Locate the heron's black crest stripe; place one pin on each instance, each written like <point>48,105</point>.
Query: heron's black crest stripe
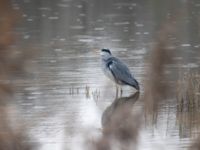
<point>106,50</point>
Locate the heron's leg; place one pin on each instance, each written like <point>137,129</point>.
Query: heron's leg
<point>121,91</point>
<point>116,91</point>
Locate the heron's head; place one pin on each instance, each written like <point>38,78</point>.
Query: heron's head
<point>105,53</point>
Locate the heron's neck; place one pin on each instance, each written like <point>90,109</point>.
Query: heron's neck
<point>105,57</point>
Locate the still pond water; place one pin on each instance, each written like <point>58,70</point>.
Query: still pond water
<point>62,98</point>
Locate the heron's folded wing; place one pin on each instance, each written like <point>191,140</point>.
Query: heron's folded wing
<point>120,71</point>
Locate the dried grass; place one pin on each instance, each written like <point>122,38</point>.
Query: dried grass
<point>188,92</point>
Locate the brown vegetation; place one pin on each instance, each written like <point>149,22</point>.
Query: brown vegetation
<point>10,138</point>
<point>195,145</point>
<point>156,85</point>
<point>188,92</point>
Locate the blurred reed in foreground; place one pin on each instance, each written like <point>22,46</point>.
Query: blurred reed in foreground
<point>12,137</point>
<point>188,101</point>
<point>195,145</point>
<point>156,84</point>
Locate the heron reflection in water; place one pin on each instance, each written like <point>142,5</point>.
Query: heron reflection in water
<point>120,124</point>
<point>110,115</point>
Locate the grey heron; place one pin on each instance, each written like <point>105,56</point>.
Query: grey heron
<point>117,71</point>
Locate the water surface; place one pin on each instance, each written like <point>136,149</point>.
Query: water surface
<point>65,92</point>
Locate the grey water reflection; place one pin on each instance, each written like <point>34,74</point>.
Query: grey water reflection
<point>120,126</point>
<point>118,105</point>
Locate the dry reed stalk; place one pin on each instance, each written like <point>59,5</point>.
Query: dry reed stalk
<point>156,85</point>
<point>195,145</point>
<point>188,92</point>
<point>10,138</point>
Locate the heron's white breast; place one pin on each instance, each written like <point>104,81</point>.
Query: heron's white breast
<point>107,72</point>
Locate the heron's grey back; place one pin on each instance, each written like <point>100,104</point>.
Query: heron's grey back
<point>120,71</point>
